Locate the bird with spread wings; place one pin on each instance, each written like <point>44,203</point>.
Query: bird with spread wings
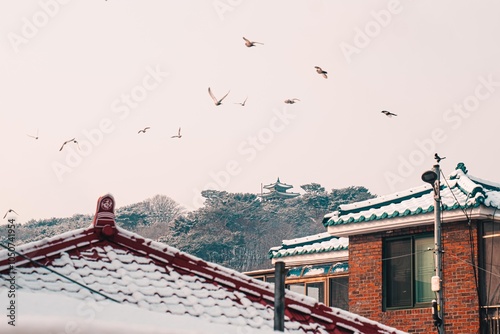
<point>143,130</point>
<point>216,101</point>
<point>69,141</point>
<point>249,43</point>
<point>388,113</point>
<point>178,134</point>
<point>8,211</point>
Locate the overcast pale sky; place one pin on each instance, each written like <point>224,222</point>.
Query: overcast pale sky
<point>99,71</point>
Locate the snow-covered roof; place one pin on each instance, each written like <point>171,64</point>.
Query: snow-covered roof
<point>313,244</point>
<point>460,191</point>
<point>104,262</point>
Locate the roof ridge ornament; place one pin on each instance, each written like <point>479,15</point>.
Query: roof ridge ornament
<point>461,166</point>
<point>104,218</point>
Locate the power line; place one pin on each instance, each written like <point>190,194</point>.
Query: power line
<point>406,255</point>
<point>471,238</point>
<point>477,267</point>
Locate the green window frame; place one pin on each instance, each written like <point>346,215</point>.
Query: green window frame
<point>408,266</point>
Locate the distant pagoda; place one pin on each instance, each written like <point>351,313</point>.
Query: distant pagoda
<point>277,190</point>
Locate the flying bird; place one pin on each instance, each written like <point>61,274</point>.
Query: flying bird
<point>36,137</point>
<point>388,113</point>
<point>249,43</point>
<point>178,134</point>
<point>291,101</point>
<point>10,210</point>
<point>320,71</point>
<point>69,141</point>
<point>143,130</point>
<point>438,158</point>
<point>217,102</point>
<point>242,103</point>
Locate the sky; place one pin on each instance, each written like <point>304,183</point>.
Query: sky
<point>99,71</point>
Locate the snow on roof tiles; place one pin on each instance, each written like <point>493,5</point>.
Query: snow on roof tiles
<point>458,191</point>
<point>317,243</point>
<point>133,270</point>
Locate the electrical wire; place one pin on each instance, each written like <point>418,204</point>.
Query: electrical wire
<point>491,259</point>
<point>471,237</point>
<point>59,274</point>
<point>405,255</point>
<point>477,267</point>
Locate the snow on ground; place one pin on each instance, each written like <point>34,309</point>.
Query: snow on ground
<point>51,313</point>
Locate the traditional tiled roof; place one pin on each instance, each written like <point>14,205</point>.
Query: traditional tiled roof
<point>278,184</point>
<point>104,261</point>
<point>460,191</point>
<point>278,190</point>
<point>278,194</point>
<point>318,243</point>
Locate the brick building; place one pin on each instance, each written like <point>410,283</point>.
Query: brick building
<point>317,267</point>
<point>391,260</point>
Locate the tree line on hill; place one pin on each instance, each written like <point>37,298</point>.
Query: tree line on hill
<point>235,230</point>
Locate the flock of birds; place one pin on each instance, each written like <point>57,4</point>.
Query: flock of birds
<point>218,102</point>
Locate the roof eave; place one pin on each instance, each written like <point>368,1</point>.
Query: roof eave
<point>346,230</point>
<point>48,248</point>
<point>299,260</point>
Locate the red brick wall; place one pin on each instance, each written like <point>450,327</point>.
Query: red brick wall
<point>461,303</point>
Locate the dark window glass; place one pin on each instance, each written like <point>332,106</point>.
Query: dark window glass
<point>408,268</point>
<point>398,273</point>
<point>339,292</point>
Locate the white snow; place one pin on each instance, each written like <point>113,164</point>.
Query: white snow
<point>45,313</point>
<point>315,271</point>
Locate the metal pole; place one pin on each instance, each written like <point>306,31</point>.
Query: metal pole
<point>279,296</point>
<point>438,251</point>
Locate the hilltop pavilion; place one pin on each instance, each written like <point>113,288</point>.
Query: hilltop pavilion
<point>277,190</point>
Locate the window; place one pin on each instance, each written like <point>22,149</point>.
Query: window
<point>408,267</point>
<point>297,287</point>
<point>339,292</point>
<point>489,276</point>
<point>270,279</point>
<point>315,290</point>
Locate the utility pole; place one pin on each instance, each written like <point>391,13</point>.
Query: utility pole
<point>279,296</point>
<point>438,250</point>
<point>432,177</point>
